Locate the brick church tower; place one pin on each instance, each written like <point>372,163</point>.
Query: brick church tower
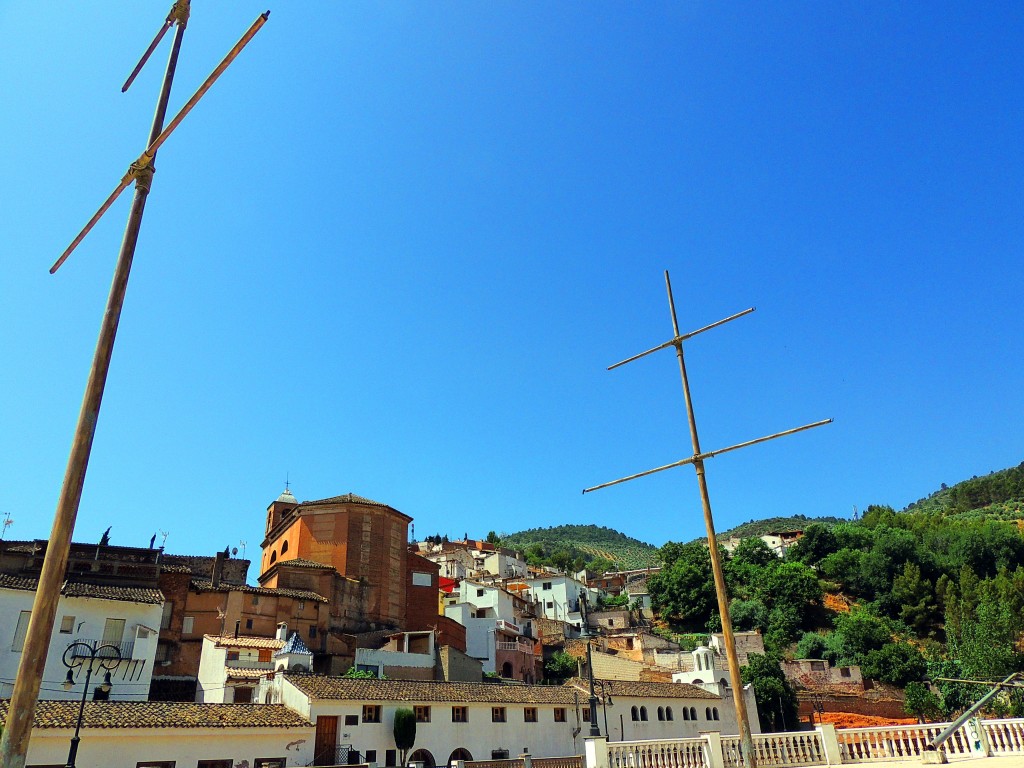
<point>363,540</point>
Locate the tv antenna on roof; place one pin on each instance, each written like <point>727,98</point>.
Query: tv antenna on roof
<point>14,743</point>
<point>7,522</point>
<point>697,460</point>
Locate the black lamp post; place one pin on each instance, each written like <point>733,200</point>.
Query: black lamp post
<point>606,699</point>
<point>594,730</point>
<point>83,654</point>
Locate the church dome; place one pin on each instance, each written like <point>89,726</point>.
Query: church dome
<point>287,497</point>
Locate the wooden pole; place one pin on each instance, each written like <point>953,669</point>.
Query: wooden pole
<point>697,460</point>
<point>14,745</point>
<point>746,742</point>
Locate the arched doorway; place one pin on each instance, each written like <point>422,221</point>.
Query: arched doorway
<point>423,756</point>
<point>506,670</point>
<point>459,754</point>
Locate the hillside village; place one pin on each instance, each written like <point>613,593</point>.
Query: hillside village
<point>349,622</point>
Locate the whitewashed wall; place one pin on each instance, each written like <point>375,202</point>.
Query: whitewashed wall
<point>132,677</point>
<point>116,747</point>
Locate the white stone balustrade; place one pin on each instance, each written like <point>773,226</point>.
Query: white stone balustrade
<point>774,749</point>
<point>664,753</point>
<point>823,746</point>
<point>1004,737</point>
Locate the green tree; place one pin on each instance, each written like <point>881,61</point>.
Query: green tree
<point>404,731</point>
<point>492,538</point>
<point>684,590</point>
<point>856,634</point>
<point>360,674</point>
<point>776,699</point>
<point>817,543</point>
<point>748,615</point>
<point>897,663</point>
<point>811,646</point>
<point>921,703</point>
<point>561,666</point>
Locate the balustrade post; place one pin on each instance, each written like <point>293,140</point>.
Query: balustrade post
<point>978,738</point>
<point>595,751</point>
<point>829,743</point>
<point>713,748</point>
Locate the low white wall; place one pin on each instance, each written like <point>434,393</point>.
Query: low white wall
<point>109,747</point>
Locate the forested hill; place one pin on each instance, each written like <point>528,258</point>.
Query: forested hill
<point>576,546</point>
<point>776,525</point>
<point>998,495</point>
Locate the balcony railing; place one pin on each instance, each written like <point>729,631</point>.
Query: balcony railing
<point>501,645</point>
<point>125,648</point>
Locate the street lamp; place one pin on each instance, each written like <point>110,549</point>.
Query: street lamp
<point>84,654</point>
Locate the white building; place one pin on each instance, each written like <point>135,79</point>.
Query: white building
<point>482,721</point>
<point>230,666</point>
<point>706,674</point>
<point>91,614</point>
<point>169,734</point>
<point>558,597</point>
<point>495,625</point>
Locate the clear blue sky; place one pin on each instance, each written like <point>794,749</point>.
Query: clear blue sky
<point>394,249</point>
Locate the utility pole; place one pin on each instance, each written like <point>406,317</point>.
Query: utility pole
<point>21,712</point>
<point>697,460</point>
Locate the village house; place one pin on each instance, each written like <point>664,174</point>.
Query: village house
<point>499,630</point>
<point>109,597</point>
<point>558,597</point>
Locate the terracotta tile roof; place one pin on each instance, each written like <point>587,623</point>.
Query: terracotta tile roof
<point>301,562</point>
<point>246,641</point>
<point>110,592</point>
<point>81,589</point>
<point>162,714</point>
<point>347,498</point>
<point>238,673</point>
<point>646,690</point>
<point>205,585</point>
<point>7,581</point>
<point>340,688</point>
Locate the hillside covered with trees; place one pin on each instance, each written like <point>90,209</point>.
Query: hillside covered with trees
<point>936,591</point>
<point>574,547</point>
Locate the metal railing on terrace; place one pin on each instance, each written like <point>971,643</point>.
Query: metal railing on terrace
<point>125,648</point>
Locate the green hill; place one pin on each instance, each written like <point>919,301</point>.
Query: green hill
<point>581,545</point>
<point>776,525</point>
<point>998,495</point>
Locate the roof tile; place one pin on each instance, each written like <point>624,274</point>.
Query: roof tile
<point>162,714</point>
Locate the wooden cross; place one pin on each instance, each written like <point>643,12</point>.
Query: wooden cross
<point>14,743</point>
<point>697,460</point>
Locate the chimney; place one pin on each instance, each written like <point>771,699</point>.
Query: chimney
<point>282,632</point>
<point>218,570</point>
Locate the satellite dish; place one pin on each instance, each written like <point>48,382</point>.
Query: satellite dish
<point>234,550</point>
